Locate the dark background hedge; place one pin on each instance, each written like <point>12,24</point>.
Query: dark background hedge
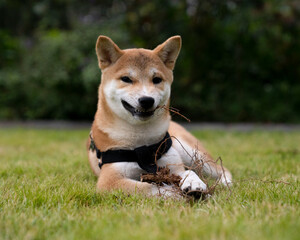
<point>240,59</point>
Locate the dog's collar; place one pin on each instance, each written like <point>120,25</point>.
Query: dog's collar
<point>145,156</point>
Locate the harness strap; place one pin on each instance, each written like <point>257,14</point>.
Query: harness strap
<point>145,156</point>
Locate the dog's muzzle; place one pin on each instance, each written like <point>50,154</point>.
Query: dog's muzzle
<point>146,103</point>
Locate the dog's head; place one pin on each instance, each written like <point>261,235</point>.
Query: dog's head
<point>136,83</point>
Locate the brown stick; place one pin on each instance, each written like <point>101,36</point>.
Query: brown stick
<point>176,111</point>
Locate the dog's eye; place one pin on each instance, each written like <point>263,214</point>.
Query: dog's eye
<point>156,80</point>
<point>126,79</point>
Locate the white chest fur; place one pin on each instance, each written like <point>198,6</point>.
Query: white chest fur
<point>132,136</point>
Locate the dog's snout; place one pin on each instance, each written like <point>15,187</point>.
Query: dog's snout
<point>146,102</point>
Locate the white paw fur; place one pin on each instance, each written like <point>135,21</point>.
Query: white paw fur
<point>191,182</point>
<point>226,179</point>
<point>166,191</point>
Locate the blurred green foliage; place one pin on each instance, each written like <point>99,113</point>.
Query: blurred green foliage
<point>239,62</point>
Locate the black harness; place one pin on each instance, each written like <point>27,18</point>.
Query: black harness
<point>145,156</point>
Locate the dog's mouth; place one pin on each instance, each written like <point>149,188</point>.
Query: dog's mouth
<point>137,112</point>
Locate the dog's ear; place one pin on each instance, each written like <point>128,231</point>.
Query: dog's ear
<point>107,52</point>
<point>169,50</point>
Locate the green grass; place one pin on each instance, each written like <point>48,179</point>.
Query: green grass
<point>47,191</point>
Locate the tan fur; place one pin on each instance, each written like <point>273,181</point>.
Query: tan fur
<point>102,141</point>
<point>180,133</point>
<point>112,179</point>
<point>112,129</point>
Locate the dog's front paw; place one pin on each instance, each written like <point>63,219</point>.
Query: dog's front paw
<point>166,191</point>
<point>192,183</point>
<point>226,179</point>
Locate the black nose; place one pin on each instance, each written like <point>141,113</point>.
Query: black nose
<point>146,102</point>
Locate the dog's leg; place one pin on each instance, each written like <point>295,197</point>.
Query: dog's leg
<point>190,148</point>
<point>204,162</point>
<point>111,179</point>
<point>190,181</point>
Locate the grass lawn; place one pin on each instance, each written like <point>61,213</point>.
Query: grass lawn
<point>47,191</point>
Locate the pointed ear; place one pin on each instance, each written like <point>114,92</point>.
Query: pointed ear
<point>169,50</point>
<point>107,52</point>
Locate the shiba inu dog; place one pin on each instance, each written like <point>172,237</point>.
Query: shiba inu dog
<point>132,132</point>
